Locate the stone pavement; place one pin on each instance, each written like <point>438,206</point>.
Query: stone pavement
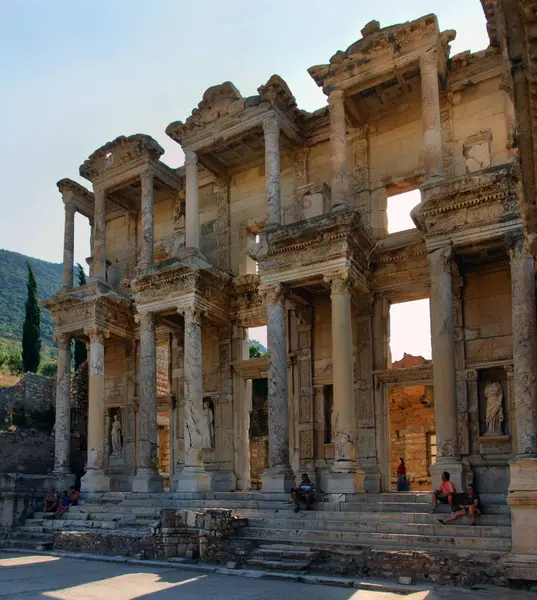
<point>40,576</point>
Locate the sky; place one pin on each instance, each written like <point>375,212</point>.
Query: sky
<point>78,74</point>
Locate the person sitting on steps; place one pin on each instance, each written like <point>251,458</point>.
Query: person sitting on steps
<point>305,491</point>
<point>51,501</point>
<point>468,507</point>
<point>445,494</point>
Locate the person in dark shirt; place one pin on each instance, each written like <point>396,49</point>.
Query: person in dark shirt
<point>470,506</point>
<point>305,491</point>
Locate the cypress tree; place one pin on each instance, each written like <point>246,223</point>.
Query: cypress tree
<point>80,354</point>
<point>31,330</point>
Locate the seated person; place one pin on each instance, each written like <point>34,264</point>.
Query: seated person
<point>445,494</point>
<point>65,503</point>
<point>470,505</point>
<point>305,491</point>
<point>51,501</point>
<point>74,494</point>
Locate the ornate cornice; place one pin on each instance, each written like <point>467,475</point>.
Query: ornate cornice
<point>398,376</point>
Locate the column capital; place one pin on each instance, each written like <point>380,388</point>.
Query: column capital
<point>70,207</point>
<point>271,124</point>
<point>440,260</point>
<point>63,340</point>
<point>517,245</point>
<point>339,281</point>
<point>336,97</point>
<point>147,175</point>
<point>429,61</point>
<point>192,313</point>
<point>145,318</point>
<point>191,158</point>
<point>96,334</point>
<point>272,294</point>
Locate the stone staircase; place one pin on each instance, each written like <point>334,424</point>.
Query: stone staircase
<point>384,532</point>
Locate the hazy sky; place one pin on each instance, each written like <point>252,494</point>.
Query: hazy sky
<point>77,74</point>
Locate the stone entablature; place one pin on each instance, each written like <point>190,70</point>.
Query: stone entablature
<point>481,206</point>
<point>307,251</point>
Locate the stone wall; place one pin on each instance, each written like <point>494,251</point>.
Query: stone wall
<point>26,451</point>
<point>32,399</point>
<point>259,460</point>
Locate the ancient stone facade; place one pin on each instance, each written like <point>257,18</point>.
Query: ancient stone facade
<point>279,218</point>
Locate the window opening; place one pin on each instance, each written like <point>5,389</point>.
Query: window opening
<point>410,331</point>
<point>398,210</point>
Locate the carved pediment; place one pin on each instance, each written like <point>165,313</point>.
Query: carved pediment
<point>121,151</point>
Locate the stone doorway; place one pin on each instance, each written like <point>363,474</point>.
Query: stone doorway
<point>258,435</point>
<point>412,434</point>
<point>163,448</point>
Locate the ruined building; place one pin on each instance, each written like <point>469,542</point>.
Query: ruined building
<point>279,218</point>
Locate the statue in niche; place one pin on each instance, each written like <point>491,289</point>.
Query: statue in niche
<point>207,426</point>
<point>494,397</point>
<point>116,436</point>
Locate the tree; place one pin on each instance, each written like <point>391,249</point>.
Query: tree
<point>31,329</point>
<point>254,351</point>
<point>80,353</point>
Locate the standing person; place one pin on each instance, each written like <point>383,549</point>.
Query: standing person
<point>445,494</point>
<point>469,507</point>
<point>402,481</point>
<point>305,491</point>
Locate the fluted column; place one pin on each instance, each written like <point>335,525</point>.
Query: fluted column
<point>271,130</point>
<point>192,209</point>
<point>444,377</point>
<point>147,220</point>
<point>346,476</point>
<point>99,235</point>
<point>524,347</point>
<point>430,111</point>
<point>279,476</point>
<point>62,428</point>
<point>338,150</point>
<point>193,477</point>
<point>69,246</point>
<point>147,478</point>
<point>95,479</point>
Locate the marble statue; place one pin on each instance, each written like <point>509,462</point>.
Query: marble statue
<point>207,426</point>
<point>494,396</point>
<point>116,436</point>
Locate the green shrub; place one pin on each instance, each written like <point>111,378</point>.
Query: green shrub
<point>48,369</point>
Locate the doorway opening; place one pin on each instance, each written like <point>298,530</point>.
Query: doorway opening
<point>258,434</point>
<point>257,342</point>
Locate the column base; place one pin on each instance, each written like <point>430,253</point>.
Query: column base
<point>522,501</point>
<point>95,480</point>
<point>351,481</point>
<point>455,469</point>
<point>63,479</point>
<point>194,479</point>
<point>147,480</point>
<point>372,480</point>
<point>278,480</point>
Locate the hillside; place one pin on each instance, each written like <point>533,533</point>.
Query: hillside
<point>13,278</point>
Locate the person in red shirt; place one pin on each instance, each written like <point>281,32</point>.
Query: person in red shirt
<point>445,494</point>
<point>402,481</point>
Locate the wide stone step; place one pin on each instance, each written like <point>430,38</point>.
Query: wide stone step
<point>23,534</point>
<point>290,553</point>
<point>462,529</point>
<point>364,517</point>
<point>29,544</point>
<point>396,540</point>
<point>278,565</point>
<point>73,524</point>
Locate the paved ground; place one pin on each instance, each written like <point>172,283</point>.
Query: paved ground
<point>31,577</point>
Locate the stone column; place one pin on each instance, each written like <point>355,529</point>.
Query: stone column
<point>193,477</point>
<point>524,347</point>
<point>271,129</point>
<point>99,235</point>
<point>89,260</point>
<point>147,220</point>
<point>147,478</point>
<point>62,428</point>
<point>95,479</point>
<point>346,476</point>
<point>192,209</point>
<point>522,498</point>
<point>338,150</point>
<point>430,115</point>
<point>69,246</point>
<point>444,378</point>
<point>279,476</point>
